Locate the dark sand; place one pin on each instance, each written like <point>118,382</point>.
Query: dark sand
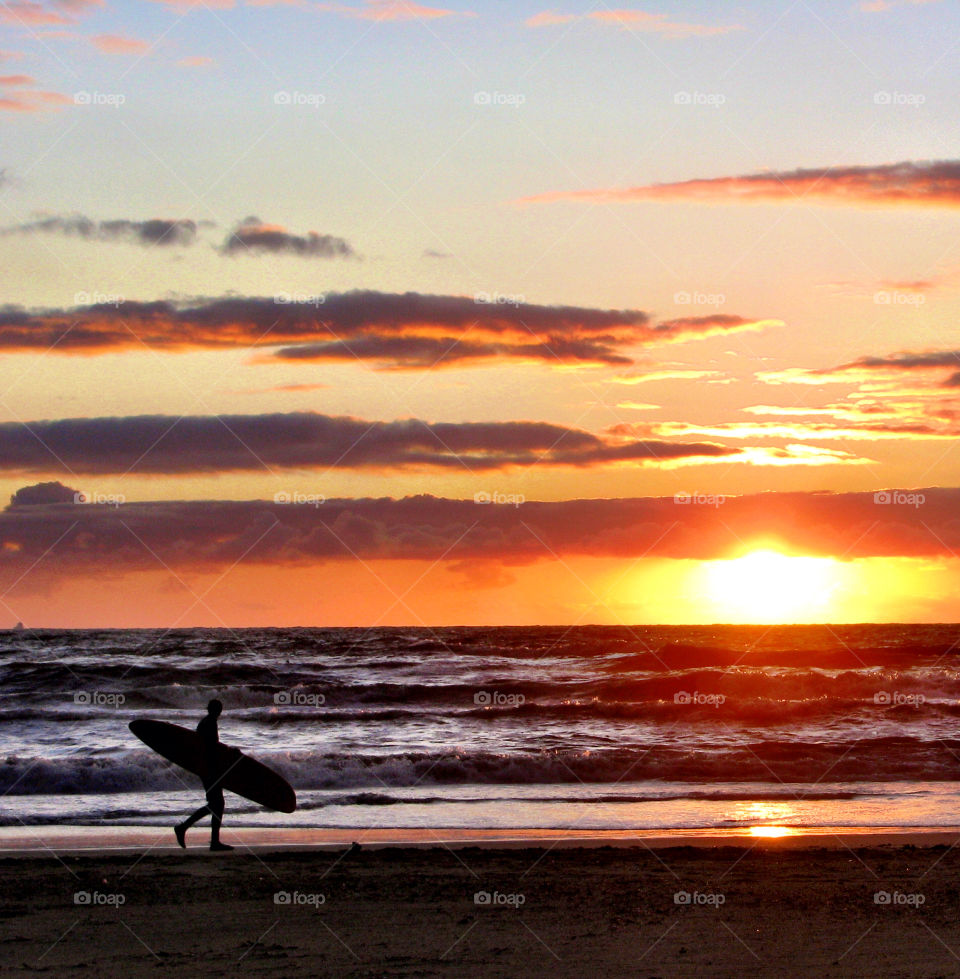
<point>411,912</point>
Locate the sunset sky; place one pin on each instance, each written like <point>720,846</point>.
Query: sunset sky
<point>671,289</point>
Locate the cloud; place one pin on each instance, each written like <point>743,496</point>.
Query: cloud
<point>15,98</point>
<point>906,395</point>
<point>393,330</point>
<point>634,20</point>
<point>118,44</point>
<point>64,539</point>
<point>41,493</point>
<point>183,6</point>
<point>231,443</point>
<point>887,366</point>
<point>925,184</point>
<point>817,431</point>
<point>881,6</point>
<point>392,10</point>
<point>30,14</point>
<point>666,374</point>
<point>550,18</point>
<point>251,236</point>
<point>196,61</point>
<point>156,231</point>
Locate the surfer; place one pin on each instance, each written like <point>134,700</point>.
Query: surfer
<point>210,736</point>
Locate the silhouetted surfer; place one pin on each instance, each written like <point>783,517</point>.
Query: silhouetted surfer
<point>210,736</point>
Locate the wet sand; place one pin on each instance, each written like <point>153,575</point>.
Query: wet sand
<point>760,908</point>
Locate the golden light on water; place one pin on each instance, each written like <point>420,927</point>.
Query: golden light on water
<point>771,832</point>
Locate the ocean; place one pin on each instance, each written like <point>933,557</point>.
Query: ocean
<point>590,728</point>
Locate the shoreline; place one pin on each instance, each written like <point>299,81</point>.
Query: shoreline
<point>53,840</point>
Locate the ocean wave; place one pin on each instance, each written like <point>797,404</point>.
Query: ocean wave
<point>881,759</point>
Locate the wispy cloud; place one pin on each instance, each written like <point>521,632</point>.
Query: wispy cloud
<point>391,10</point>
<point>881,6</point>
<point>14,97</point>
<point>119,44</point>
<point>156,231</point>
<point>635,20</point>
<point>923,184</point>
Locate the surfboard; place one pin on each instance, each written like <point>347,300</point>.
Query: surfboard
<point>242,774</point>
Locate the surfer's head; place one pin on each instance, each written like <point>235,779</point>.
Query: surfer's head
<point>215,708</point>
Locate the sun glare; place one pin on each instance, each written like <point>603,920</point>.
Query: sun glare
<point>766,586</point>
<point>771,832</point>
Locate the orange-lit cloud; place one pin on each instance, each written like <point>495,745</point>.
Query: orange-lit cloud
<point>635,20</point>
<point>888,366</point>
<point>391,10</point>
<point>118,44</point>
<point>925,184</point>
<point>407,330</point>
<point>29,14</point>
<point>881,6</point>
<point>15,98</point>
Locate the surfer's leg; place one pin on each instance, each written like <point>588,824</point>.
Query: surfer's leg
<point>181,828</point>
<point>215,805</point>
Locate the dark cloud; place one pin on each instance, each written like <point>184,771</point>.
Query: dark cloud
<point>41,493</point>
<point>251,236</point>
<point>84,539</point>
<point>391,329</point>
<point>924,184</point>
<point>156,231</point>
<point>224,443</point>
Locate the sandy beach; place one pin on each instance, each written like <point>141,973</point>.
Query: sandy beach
<point>750,908</point>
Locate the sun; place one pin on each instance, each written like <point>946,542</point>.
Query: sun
<point>766,586</point>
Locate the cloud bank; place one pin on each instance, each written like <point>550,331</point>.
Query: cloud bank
<point>408,330</point>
